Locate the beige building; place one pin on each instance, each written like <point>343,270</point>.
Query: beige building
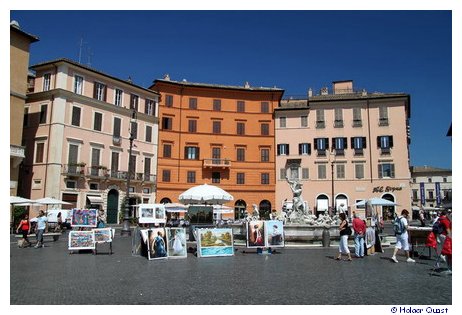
<point>77,134</point>
<point>344,146</point>
<point>19,64</point>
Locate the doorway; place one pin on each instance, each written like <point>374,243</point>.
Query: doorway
<point>112,206</point>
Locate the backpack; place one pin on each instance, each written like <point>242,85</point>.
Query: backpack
<point>398,226</point>
<point>438,228</point>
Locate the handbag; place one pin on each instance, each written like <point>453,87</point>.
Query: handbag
<point>346,231</point>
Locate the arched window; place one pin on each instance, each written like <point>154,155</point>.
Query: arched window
<point>388,212</point>
<point>165,200</point>
<point>239,209</point>
<point>264,209</point>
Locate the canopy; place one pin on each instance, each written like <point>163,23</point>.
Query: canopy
<point>175,207</point>
<point>16,199</point>
<point>51,201</point>
<point>376,202</point>
<point>205,194</point>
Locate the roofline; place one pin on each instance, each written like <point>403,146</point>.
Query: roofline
<point>74,63</point>
<point>32,38</point>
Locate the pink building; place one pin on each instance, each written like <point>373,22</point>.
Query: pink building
<point>344,146</point>
<point>77,126</point>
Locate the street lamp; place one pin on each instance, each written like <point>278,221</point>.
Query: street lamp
<point>126,223</point>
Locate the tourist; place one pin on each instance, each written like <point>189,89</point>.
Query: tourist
<point>402,238</point>
<point>359,228</point>
<point>345,231</point>
<point>422,218</point>
<point>24,227</point>
<point>446,231</point>
<point>41,227</point>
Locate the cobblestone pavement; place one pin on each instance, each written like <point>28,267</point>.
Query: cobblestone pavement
<point>298,276</point>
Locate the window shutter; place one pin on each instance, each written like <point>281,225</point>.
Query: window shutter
<point>300,150</point>
<point>95,90</point>
<point>279,149</point>
<point>315,144</point>
<point>105,93</point>
<point>309,148</point>
<point>378,142</point>
<point>345,143</point>
<point>390,140</point>
<point>392,170</point>
<point>364,142</point>
<point>380,171</point>
<point>352,142</point>
<point>327,143</point>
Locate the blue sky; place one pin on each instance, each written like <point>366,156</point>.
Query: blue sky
<point>385,51</point>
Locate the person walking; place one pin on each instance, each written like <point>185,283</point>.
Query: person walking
<point>345,231</point>
<point>41,227</point>
<point>402,236</point>
<point>359,228</point>
<point>446,230</point>
<point>24,227</point>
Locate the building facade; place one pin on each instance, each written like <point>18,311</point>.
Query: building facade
<point>219,135</point>
<point>20,42</point>
<point>431,187</point>
<point>344,146</point>
<point>77,128</point>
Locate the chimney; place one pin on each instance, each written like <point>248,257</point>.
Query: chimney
<point>247,85</point>
<point>166,77</point>
<point>324,91</point>
<point>364,92</point>
<point>310,92</point>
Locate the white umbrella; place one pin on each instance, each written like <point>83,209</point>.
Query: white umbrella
<point>376,202</point>
<point>222,209</point>
<point>175,207</point>
<point>205,194</point>
<point>16,199</point>
<point>51,201</point>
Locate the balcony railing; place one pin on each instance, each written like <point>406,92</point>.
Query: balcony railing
<point>217,163</point>
<point>73,170</point>
<point>122,176</point>
<point>97,171</point>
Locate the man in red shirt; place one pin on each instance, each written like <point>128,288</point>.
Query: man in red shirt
<point>359,228</point>
<point>441,239</point>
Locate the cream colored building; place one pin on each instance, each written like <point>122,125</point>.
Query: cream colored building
<point>20,42</point>
<point>431,187</point>
<point>77,135</point>
<point>344,146</point>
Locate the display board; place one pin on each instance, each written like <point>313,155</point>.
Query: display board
<point>215,242</point>
<point>84,217</point>
<point>81,240</point>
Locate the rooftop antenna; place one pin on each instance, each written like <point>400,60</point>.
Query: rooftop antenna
<point>80,49</point>
<point>89,55</point>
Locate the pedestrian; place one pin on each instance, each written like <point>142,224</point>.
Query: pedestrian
<point>41,227</point>
<point>359,228</point>
<point>421,218</point>
<point>446,231</point>
<point>60,222</point>
<point>24,227</point>
<point>402,237</point>
<point>345,231</point>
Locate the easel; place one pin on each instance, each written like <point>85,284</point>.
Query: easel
<point>110,243</point>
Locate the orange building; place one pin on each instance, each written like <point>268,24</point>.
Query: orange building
<point>219,135</point>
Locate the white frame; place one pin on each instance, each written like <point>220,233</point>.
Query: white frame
<point>81,225</point>
<point>92,235</point>
<point>121,97</point>
<point>199,233</point>
<point>169,234</point>
<point>269,224</point>
<point>110,230</point>
<point>261,223</point>
<point>153,219</point>
<point>83,84</point>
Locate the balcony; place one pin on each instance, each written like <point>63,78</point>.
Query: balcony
<point>73,170</point>
<point>338,123</point>
<point>320,124</point>
<point>97,171</point>
<point>357,123</point>
<point>116,140</point>
<point>223,163</point>
<point>137,177</point>
<point>383,122</point>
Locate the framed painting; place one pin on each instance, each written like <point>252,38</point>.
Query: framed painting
<point>176,239</point>
<point>84,217</point>
<point>81,240</point>
<point>157,244</point>
<point>215,242</point>
<point>151,213</point>
<point>274,233</point>
<point>255,234</point>
<point>103,235</point>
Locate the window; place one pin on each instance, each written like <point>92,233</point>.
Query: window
<point>217,105</point>
<point>78,84</point>
<point>415,194</point>
<point>294,172</point>
<point>25,120</point>
<point>340,168</point>
<point>149,107</point>
<point>339,144</point>
<point>320,122</point>
<point>240,106</point>
<point>146,190</point>
<point>37,184</point>
<point>264,129</point>
<point>264,155</point>
<point>167,123</point>
<point>46,81</point>
<point>132,165</point>
<point>114,163</point>
<point>216,154</point>
<point>357,121</point>
<point>304,121</point>
<point>192,126</point>
<point>338,119</point>
<point>191,153</point>
<point>99,91</point>
<point>283,149</point>
<point>216,177</point>
<point>240,178</point>
<point>166,176</point>
<point>95,160</point>
<point>322,171</point>
<point>321,145</point>
<point>429,179</point>
<point>383,116</point>
<point>169,100</point>
<point>216,127</point>
<point>39,151</point>
<point>358,144</point>
<point>192,103</point>
<point>264,107</point>
<point>240,128</point>
<point>97,121</point>
<point>240,154</point>
<point>265,178</point>
<point>167,150</point>
<point>282,122</point>
<point>117,126</point>
<point>191,177</point>
<point>75,121</point>
<point>134,99</point>
<point>147,168</point>
<point>71,184</point>
<point>304,149</point>
<point>72,157</point>
<point>359,171</point>
<point>445,179</point>
<point>386,170</point>
<point>118,101</point>
<point>134,129</point>
<point>385,143</point>
<point>43,114</point>
<point>93,186</point>
<point>431,194</point>
<point>305,173</point>
<point>148,135</point>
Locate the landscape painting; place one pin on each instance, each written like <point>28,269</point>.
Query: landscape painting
<point>255,234</point>
<point>157,244</point>
<point>274,231</point>
<point>84,218</point>
<point>81,240</point>
<point>176,238</point>
<point>215,242</point>
<point>103,235</point>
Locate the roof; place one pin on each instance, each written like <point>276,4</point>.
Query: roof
<point>220,86</point>
<point>17,29</point>
<point>75,63</point>
<point>355,96</point>
<point>429,169</point>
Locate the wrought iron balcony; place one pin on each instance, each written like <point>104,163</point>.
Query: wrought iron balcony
<point>225,163</point>
<point>73,170</point>
<point>97,171</point>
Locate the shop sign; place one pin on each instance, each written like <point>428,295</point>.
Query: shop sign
<point>380,189</point>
